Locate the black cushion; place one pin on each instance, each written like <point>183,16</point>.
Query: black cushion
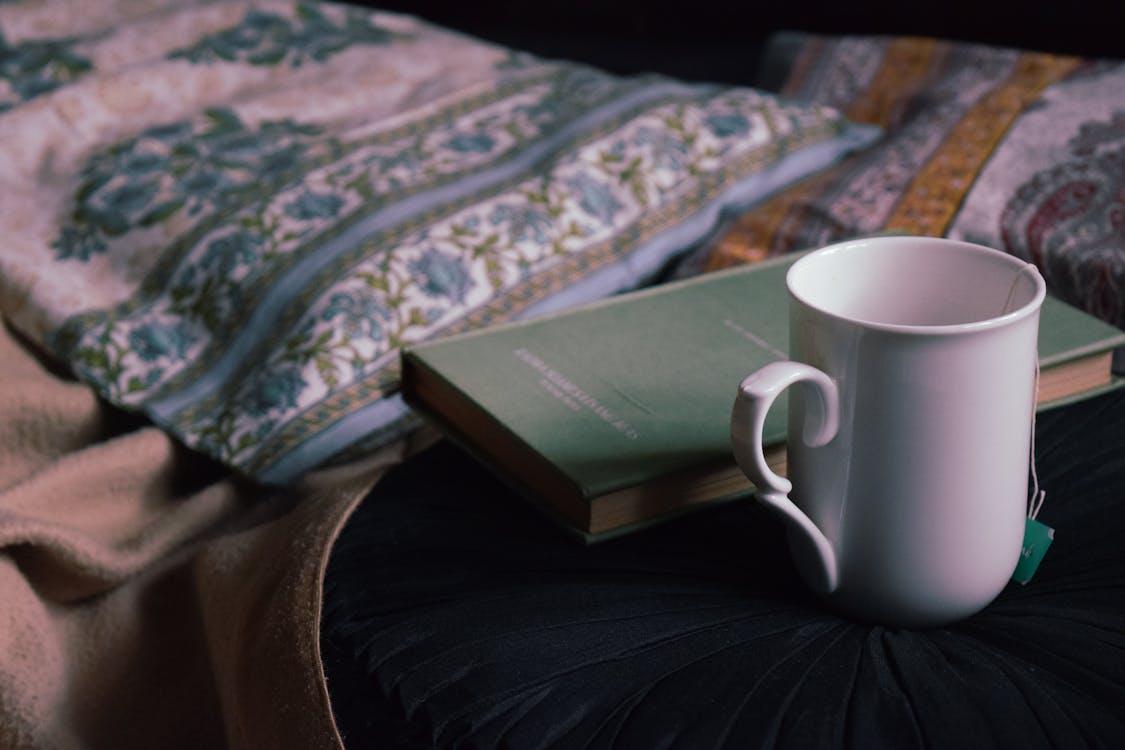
<point>455,615</point>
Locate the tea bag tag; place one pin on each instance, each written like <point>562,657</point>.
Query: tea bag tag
<point>1037,537</point>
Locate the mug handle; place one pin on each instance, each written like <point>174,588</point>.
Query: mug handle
<point>756,393</point>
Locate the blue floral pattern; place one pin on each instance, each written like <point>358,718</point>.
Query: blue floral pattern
<point>595,198</point>
<point>276,392</point>
<point>264,38</point>
<point>216,280</point>
<point>310,205</point>
<point>184,167</point>
<point>441,276</point>
<point>158,343</point>
<point>346,340</point>
<point>36,67</point>
<point>303,221</point>
<point>724,126</point>
<point>154,341</point>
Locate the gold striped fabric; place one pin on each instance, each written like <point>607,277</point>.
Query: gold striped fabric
<point>945,107</point>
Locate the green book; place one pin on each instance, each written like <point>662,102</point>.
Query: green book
<point>617,413</point>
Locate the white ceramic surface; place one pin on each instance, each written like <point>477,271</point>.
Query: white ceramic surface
<point>913,374</point>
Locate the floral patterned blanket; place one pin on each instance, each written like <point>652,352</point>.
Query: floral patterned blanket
<point>231,216</point>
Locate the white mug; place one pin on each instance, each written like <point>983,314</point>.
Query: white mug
<point>910,426</point>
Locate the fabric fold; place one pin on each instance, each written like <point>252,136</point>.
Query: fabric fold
<point>152,598</point>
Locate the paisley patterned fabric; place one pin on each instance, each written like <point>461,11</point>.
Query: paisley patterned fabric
<point>1017,150</point>
<point>1054,192</point>
<point>231,216</point>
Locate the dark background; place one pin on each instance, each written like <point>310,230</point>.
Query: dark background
<point>721,40</point>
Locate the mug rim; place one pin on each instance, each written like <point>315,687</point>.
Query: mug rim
<point>998,321</point>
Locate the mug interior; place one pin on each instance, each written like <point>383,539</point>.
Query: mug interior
<point>916,282</point>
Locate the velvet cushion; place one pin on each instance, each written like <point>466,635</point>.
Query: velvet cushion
<point>1010,148</point>
<point>232,218</point>
<point>454,616</point>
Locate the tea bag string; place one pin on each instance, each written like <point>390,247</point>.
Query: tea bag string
<point>1037,495</point>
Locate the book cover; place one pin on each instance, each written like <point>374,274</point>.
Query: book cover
<point>618,412</point>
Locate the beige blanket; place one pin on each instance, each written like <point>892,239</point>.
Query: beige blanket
<point>147,598</point>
